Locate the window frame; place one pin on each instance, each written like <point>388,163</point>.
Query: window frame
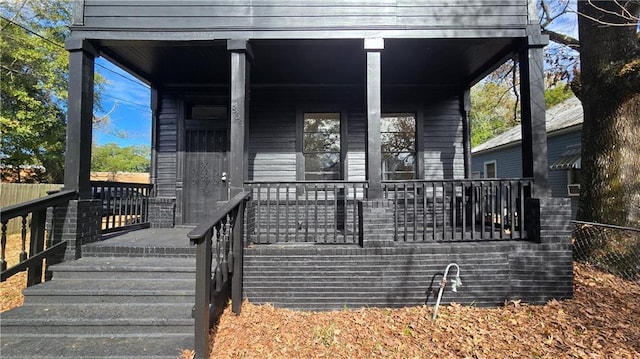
<point>416,143</point>
<point>495,169</point>
<point>300,159</point>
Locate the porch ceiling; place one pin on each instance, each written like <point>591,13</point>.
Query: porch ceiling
<point>312,62</point>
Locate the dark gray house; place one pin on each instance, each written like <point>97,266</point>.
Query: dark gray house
<point>500,157</point>
<point>347,121</point>
<point>331,141</point>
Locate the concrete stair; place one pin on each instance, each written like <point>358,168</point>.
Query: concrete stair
<point>101,307</point>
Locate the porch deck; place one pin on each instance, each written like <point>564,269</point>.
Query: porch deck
<point>150,242</point>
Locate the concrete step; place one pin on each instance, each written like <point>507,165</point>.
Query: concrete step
<point>110,267</point>
<point>112,291</point>
<point>92,346</point>
<point>105,307</point>
<point>101,318</point>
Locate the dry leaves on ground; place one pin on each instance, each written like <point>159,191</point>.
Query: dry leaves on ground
<point>11,290</point>
<point>603,320</point>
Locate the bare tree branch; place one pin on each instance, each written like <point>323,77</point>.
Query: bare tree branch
<point>563,39</point>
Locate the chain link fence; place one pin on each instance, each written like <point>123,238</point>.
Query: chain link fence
<point>611,248</point>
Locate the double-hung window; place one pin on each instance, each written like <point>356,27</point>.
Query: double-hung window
<point>398,132</point>
<point>321,146</point>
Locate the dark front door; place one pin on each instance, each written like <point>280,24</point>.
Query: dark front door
<point>205,170</point>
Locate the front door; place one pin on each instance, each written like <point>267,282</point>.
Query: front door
<point>205,167</point>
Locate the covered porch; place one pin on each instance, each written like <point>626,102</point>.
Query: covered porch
<point>325,133</point>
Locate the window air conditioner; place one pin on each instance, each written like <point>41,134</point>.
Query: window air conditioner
<point>573,190</point>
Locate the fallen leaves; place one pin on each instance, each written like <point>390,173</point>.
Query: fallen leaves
<point>603,320</point>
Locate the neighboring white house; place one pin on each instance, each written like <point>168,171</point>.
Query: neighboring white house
<point>500,157</point>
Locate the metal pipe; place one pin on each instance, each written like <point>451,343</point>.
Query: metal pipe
<point>443,282</point>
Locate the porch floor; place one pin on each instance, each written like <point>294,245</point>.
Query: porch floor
<point>150,242</point>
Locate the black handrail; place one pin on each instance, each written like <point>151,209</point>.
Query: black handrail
<point>33,260</point>
<point>226,225</point>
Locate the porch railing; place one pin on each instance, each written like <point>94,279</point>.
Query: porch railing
<point>35,212</point>
<point>458,210</point>
<point>221,237</point>
<point>299,211</point>
<point>125,206</point>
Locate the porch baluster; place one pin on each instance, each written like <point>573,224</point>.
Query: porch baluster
<point>23,239</point>
<point>336,215</point>
<point>296,211</point>
<point>286,213</point>
<point>414,187</point>
<point>3,245</point>
<point>306,213</point>
<point>424,211</point>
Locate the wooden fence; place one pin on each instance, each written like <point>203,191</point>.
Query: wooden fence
<point>14,193</point>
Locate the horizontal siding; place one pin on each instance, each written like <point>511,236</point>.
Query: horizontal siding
<point>556,147</point>
<point>167,146</point>
<point>269,15</point>
<point>443,151</point>
<point>272,141</point>
<point>508,162</point>
<point>356,155</point>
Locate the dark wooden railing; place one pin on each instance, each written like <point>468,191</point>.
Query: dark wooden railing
<point>221,237</point>
<point>125,206</point>
<point>299,211</point>
<point>458,210</point>
<point>32,260</point>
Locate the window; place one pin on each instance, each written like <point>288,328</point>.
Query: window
<point>321,146</point>
<point>490,170</point>
<point>573,182</point>
<point>398,131</point>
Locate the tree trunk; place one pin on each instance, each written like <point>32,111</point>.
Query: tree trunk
<point>610,94</point>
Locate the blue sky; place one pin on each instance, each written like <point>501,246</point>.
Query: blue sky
<point>128,99</point>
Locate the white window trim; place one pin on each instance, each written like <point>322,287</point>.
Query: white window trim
<point>495,168</point>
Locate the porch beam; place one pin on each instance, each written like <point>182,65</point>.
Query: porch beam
<point>79,117</point>
<point>238,158</point>
<point>374,48</point>
<point>534,132</point>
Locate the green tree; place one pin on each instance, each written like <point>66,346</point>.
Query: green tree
<point>32,116</point>
<point>113,158</point>
<point>492,110</point>
<point>34,73</point>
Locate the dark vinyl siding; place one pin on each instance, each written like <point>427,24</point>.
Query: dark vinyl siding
<point>272,141</point>
<point>443,151</point>
<point>356,157</point>
<point>167,146</point>
<point>269,15</point>
<point>272,134</point>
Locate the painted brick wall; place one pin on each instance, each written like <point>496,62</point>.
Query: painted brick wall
<point>162,212</point>
<point>78,223</point>
<point>382,273</point>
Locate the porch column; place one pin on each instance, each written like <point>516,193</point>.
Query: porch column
<point>238,159</point>
<point>374,48</point>
<point>79,117</point>
<point>465,109</point>
<point>534,133</point>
